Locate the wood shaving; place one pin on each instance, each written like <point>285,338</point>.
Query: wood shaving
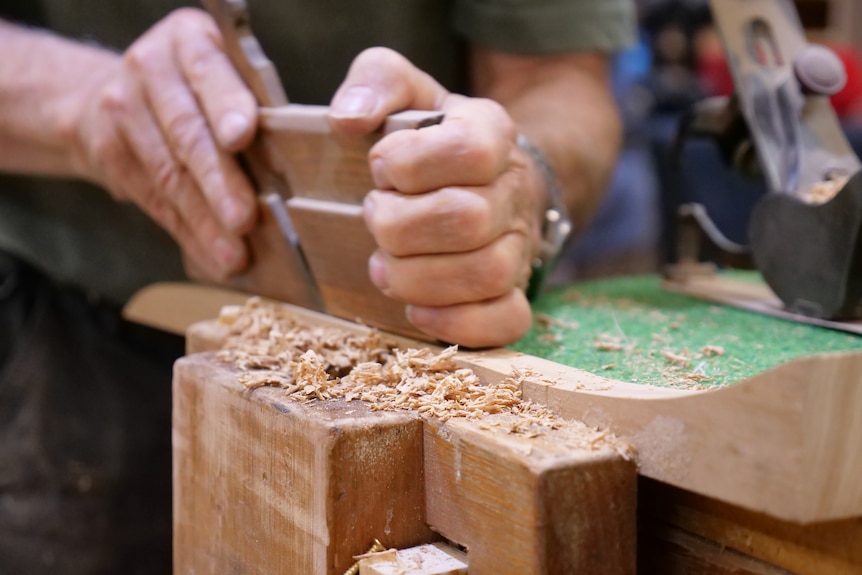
<point>675,358</point>
<point>607,342</point>
<point>551,338</point>
<point>544,321</point>
<point>712,350</point>
<point>272,348</point>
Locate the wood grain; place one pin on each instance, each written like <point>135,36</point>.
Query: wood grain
<point>321,164</point>
<point>337,247</point>
<point>263,484</point>
<point>833,547</point>
<point>783,443</point>
<point>530,506</point>
<point>669,550</point>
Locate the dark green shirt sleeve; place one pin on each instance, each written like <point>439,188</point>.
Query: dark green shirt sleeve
<point>21,12</point>
<point>547,26</point>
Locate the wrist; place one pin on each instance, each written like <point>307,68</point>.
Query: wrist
<point>556,225</point>
<point>74,116</point>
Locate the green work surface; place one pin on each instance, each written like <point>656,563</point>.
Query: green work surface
<point>630,329</point>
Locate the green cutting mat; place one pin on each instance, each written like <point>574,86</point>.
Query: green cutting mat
<point>630,329</point>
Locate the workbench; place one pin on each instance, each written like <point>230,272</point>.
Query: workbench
<point>759,476</point>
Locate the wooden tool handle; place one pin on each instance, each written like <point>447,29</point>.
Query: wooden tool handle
<point>241,46</point>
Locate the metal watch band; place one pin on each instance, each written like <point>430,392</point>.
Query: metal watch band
<point>556,227</point>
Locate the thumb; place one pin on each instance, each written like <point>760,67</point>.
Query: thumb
<point>381,82</point>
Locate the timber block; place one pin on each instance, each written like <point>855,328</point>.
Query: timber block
<point>783,442</point>
<point>265,484</point>
<point>530,506</point>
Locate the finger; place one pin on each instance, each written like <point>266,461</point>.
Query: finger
<point>168,216</point>
<point>441,280</point>
<point>471,147</point>
<point>168,182</point>
<point>380,82</point>
<point>130,181</point>
<point>186,132</point>
<point>491,323</point>
<point>449,220</point>
<point>228,104</point>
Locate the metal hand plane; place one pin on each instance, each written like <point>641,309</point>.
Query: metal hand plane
<point>310,246</point>
<point>805,234</point>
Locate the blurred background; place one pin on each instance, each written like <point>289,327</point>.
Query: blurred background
<point>678,61</point>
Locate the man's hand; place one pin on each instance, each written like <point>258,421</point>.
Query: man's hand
<point>456,212</point>
<point>158,128</point>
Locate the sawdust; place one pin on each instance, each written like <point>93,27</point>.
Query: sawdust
<point>672,367</point>
<point>272,348</point>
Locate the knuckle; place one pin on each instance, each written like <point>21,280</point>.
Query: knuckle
<point>475,150</point>
<point>169,175</point>
<point>115,100</point>
<point>140,57</point>
<point>189,132</point>
<point>200,64</point>
<point>379,56</point>
<point>494,274</point>
<point>388,230</point>
<point>502,119</point>
<point>469,222</point>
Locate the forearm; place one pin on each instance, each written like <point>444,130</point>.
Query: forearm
<point>565,107</point>
<point>43,87</point>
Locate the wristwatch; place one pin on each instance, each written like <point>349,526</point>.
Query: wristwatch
<point>556,227</point>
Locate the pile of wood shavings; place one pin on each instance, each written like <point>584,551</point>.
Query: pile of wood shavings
<point>273,348</point>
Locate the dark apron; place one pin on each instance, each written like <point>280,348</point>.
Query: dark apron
<point>85,445</point>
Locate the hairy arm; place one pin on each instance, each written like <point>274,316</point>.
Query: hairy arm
<point>564,105</point>
<point>156,126</point>
<point>458,209</point>
<point>43,87</point>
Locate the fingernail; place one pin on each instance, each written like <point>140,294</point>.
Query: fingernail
<point>226,254</point>
<point>232,213</point>
<point>378,173</point>
<point>421,317</point>
<point>355,102</point>
<point>232,127</point>
<point>368,209</point>
<point>377,271</point>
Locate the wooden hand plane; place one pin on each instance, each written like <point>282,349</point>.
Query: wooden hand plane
<point>805,234</point>
<point>310,246</point>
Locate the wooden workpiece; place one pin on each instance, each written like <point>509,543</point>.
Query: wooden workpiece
<point>339,263</point>
<point>784,442</point>
<point>263,484</point>
<point>538,505</point>
<point>778,448</point>
<point>305,487</point>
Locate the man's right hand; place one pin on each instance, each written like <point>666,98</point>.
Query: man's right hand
<point>160,128</point>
